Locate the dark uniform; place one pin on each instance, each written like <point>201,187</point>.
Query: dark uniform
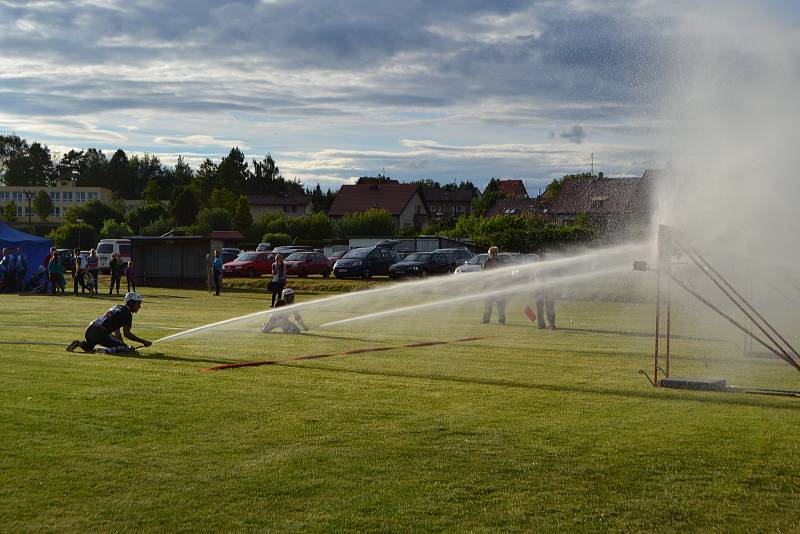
<point>100,330</point>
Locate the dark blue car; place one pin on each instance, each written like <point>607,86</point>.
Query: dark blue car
<point>365,262</point>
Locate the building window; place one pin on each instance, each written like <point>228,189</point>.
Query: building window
<point>17,195</point>
<point>67,196</point>
<point>4,195</point>
<point>93,195</point>
<point>55,196</point>
<point>19,211</point>
<point>80,196</point>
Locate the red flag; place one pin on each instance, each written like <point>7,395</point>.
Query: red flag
<point>529,312</point>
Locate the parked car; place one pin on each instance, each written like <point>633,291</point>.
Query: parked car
<point>304,263</point>
<point>249,264</point>
<point>365,262</point>
<point>229,254</point>
<point>291,249</point>
<point>264,247</point>
<point>336,256</point>
<point>67,259</point>
<point>475,263</point>
<point>420,264</point>
<point>455,256</point>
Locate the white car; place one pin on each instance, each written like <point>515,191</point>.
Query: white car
<point>476,262</point>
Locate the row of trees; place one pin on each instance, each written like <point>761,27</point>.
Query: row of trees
<point>144,177</point>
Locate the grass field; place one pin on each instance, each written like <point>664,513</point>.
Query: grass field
<point>520,430</point>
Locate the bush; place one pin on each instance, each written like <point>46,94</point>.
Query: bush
<point>276,239</point>
<point>371,223</point>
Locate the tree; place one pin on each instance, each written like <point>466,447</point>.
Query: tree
<point>10,211</point>
<point>159,226</point>
<point>42,205</point>
<point>141,216</point>
<point>183,173</point>
<point>223,199</point>
<point>183,207</point>
<point>93,213</point>
<point>142,171</point>
<point>232,173</point>
<point>119,173</point>
<point>114,229</point>
<point>242,218</point>
<point>12,159</point>
<point>93,169</point>
<point>210,219</point>
<point>204,179</point>
<point>74,235</point>
<point>39,169</point>
<point>152,191</point>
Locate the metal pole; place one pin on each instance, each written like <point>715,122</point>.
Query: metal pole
<point>669,312</point>
<point>658,305</point>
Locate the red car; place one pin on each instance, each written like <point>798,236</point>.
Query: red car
<point>250,264</point>
<point>304,263</point>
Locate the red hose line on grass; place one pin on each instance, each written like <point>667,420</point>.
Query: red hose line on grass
<point>345,353</point>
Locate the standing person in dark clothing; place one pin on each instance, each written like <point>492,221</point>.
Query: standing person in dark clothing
<point>115,265</point>
<point>9,268</point>
<point>492,263</point>
<point>545,302</point>
<point>130,276</point>
<point>105,330</point>
<point>93,267</point>
<point>216,267</point>
<point>278,278</point>
<point>22,269</point>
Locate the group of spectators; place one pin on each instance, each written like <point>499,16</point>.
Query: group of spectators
<point>49,277</point>
<point>13,267</point>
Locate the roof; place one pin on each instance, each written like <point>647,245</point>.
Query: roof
<point>274,200</point>
<point>512,188</point>
<point>361,197</point>
<point>447,195</point>
<point>520,206</point>
<point>224,235</point>
<point>602,196</point>
<point>11,237</point>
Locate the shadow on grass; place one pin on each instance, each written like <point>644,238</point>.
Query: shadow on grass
<point>722,398</point>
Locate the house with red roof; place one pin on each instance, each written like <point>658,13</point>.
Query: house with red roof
<point>403,201</point>
<point>512,188</point>
<point>613,205</point>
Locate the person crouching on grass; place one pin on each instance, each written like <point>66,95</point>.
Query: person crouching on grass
<point>105,330</point>
<point>280,319</point>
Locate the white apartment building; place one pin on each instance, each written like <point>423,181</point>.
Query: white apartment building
<point>64,195</point>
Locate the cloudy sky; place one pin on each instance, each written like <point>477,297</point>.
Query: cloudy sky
<point>336,89</point>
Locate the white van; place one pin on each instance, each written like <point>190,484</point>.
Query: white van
<point>106,247</point>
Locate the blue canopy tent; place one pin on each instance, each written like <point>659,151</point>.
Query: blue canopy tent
<point>36,248</point>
